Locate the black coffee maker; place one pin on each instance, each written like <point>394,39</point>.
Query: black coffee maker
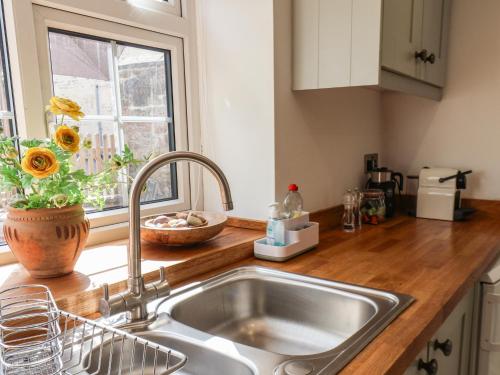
<point>388,181</point>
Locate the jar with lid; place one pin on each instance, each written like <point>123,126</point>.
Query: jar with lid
<point>373,206</point>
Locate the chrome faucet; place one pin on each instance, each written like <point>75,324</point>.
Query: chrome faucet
<point>134,301</point>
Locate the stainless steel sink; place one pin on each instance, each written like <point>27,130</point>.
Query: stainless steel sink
<point>284,323</point>
<point>201,360</point>
<point>287,318</point>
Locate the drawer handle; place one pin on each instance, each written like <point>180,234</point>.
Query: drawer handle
<point>446,347</point>
<point>431,367</point>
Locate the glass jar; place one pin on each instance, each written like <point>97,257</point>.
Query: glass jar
<point>373,206</point>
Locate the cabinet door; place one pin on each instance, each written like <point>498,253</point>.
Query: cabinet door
<point>334,50</point>
<point>435,39</point>
<point>413,369</point>
<point>305,44</point>
<point>365,42</point>
<point>402,36</point>
<point>457,329</point>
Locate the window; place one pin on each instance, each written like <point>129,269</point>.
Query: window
<point>7,119</point>
<point>132,66</point>
<point>131,86</point>
<point>125,92</point>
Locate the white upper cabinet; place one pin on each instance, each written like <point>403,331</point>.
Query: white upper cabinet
<point>393,44</point>
<point>402,36</point>
<point>334,41</point>
<point>436,14</point>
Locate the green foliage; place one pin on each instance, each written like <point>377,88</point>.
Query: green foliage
<point>28,143</point>
<point>66,187</point>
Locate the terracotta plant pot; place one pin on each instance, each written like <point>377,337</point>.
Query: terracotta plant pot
<point>47,241</point>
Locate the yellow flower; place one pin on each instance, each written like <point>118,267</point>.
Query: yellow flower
<point>39,162</point>
<point>63,106</point>
<point>67,138</point>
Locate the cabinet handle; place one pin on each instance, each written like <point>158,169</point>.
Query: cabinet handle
<point>446,347</point>
<point>431,367</point>
<point>425,57</point>
<point>422,55</point>
<point>431,58</point>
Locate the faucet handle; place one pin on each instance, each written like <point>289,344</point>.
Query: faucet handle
<point>163,276</point>
<point>162,287</point>
<point>110,305</point>
<point>105,289</point>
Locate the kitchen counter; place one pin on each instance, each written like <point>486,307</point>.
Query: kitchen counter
<point>436,262</point>
<point>80,291</point>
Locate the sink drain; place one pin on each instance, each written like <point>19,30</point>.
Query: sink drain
<point>298,368</point>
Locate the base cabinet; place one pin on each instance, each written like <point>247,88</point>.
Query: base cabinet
<point>414,368</point>
<point>448,352</point>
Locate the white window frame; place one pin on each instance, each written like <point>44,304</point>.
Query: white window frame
<point>161,6</point>
<point>166,25</point>
<point>46,18</point>
<point>7,115</point>
<point>5,255</point>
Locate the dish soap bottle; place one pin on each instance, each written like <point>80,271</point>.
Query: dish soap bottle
<point>275,232</point>
<point>293,202</point>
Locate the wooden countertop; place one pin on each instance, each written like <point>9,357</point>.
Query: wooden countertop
<point>80,291</point>
<point>436,262</point>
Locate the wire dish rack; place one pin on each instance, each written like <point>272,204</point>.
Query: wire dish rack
<point>38,339</point>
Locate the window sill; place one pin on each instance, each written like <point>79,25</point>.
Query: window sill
<point>99,237</point>
<point>80,291</point>
<point>6,256</point>
<point>104,226</point>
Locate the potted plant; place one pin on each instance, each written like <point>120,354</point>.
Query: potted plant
<point>46,227</point>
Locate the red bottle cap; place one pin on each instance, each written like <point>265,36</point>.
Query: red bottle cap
<point>293,187</point>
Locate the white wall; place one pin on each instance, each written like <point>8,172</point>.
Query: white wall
<point>261,133</point>
<point>463,130</point>
<point>238,113</point>
<point>321,135</point>
<point>317,139</point>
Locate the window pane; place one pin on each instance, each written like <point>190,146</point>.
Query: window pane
<point>104,144</point>
<point>7,125</point>
<point>5,195</point>
<point>6,128</point>
<point>4,101</point>
<point>145,140</point>
<point>84,70</point>
<point>142,81</point>
<point>81,70</point>
<point>97,127</point>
